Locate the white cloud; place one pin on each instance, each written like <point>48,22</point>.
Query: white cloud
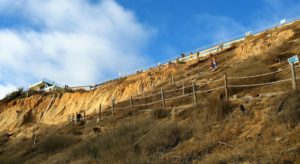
<point>70,41</point>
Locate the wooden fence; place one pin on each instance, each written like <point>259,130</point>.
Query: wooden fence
<point>195,90</point>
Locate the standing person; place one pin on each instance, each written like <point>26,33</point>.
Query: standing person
<point>221,46</point>
<point>182,55</point>
<point>198,55</point>
<point>191,55</point>
<point>142,88</point>
<point>213,62</point>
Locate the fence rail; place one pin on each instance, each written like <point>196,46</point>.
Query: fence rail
<point>225,86</point>
<point>260,84</point>
<point>265,74</point>
<point>195,91</point>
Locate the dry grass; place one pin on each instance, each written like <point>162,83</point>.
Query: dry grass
<point>290,113</point>
<point>3,138</point>
<point>163,138</point>
<point>217,109</point>
<point>114,146</point>
<point>136,141</point>
<point>49,141</point>
<point>263,136</point>
<point>56,142</point>
<point>273,144</point>
<point>252,66</point>
<point>160,113</point>
<point>277,54</point>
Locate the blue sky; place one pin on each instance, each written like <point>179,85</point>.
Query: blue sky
<point>185,25</point>
<point>81,42</point>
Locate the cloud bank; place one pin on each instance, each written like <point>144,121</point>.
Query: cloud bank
<point>71,41</point>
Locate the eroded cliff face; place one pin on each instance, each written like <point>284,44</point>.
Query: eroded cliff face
<point>254,46</point>
<point>38,109</point>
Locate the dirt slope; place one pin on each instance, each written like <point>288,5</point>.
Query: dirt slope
<point>32,109</point>
<point>21,116</point>
<point>254,46</point>
<point>18,112</point>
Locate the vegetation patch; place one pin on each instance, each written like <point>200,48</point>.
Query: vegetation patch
<point>160,113</point>
<point>13,95</point>
<point>290,112</point>
<point>253,66</point>
<point>217,109</point>
<point>133,142</point>
<point>163,138</point>
<point>56,142</point>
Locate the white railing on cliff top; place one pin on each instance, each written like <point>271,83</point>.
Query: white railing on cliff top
<point>205,50</point>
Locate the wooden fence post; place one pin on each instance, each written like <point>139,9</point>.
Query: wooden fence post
<point>163,99</point>
<point>33,140</point>
<point>100,111</point>
<point>153,84</point>
<point>73,118</point>
<point>194,94</point>
<point>76,118</point>
<point>182,87</point>
<point>131,103</point>
<point>294,82</point>
<point>84,116</point>
<point>226,59</point>
<point>172,79</point>
<point>226,87</point>
<point>69,118</point>
<point>112,106</point>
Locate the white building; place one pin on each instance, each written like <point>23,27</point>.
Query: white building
<point>44,85</point>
